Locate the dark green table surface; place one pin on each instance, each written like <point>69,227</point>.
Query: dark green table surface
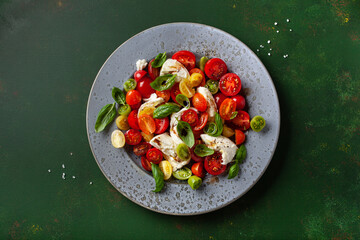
<point>50,53</point>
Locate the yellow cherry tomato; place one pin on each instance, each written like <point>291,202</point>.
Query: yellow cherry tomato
<point>195,79</point>
<point>166,168</point>
<point>117,139</point>
<point>122,122</point>
<point>227,132</point>
<point>186,89</point>
<point>147,137</point>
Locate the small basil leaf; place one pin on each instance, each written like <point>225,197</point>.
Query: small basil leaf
<point>158,176</point>
<point>240,154</point>
<point>183,100</point>
<point>202,150</point>
<point>118,95</point>
<point>219,125</point>
<point>105,116</point>
<point>233,115</point>
<point>211,129</point>
<point>234,170</point>
<point>185,133</point>
<point>159,60</point>
<point>165,110</point>
<point>164,82</point>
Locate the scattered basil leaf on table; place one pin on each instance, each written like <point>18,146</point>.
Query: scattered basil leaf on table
<point>159,60</point>
<point>202,150</point>
<point>165,110</point>
<point>183,100</point>
<point>185,133</point>
<point>118,95</point>
<point>234,170</point>
<point>105,116</point>
<point>158,176</point>
<point>164,82</point>
<point>240,154</point>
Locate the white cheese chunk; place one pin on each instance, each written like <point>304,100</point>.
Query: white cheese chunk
<point>150,104</point>
<point>141,64</point>
<point>172,66</point>
<point>211,105</point>
<point>222,144</point>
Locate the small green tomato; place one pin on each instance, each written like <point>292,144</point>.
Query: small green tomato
<point>257,123</point>
<point>194,182</point>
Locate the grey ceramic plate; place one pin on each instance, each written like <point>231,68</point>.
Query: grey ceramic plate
<point>123,169</point>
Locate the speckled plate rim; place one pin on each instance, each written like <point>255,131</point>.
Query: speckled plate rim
<point>275,140</point>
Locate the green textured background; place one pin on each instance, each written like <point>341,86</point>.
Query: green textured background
<point>50,53</point>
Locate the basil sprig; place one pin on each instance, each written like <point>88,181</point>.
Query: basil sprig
<point>118,95</point>
<point>164,82</point>
<point>165,110</point>
<point>233,171</point>
<point>183,100</point>
<point>105,116</point>
<point>185,133</point>
<point>239,158</point>
<point>159,60</point>
<point>202,150</point>
<point>158,176</point>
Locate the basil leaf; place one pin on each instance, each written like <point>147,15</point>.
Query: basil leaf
<point>240,154</point>
<point>159,60</point>
<point>211,129</point>
<point>234,170</point>
<point>183,100</point>
<point>105,116</point>
<point>158,176</point>
<point>185,133</point>
<point>233,115</point>
<point>202,150</point>
<point>219,125</point>
<point>164,82</point>
<point>165,110</point>
<point>118,95</point>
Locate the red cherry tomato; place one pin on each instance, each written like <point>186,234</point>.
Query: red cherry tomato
<point>161,125</point>
<point>186,58</point>
<point>190,116</point>
<point>202,121</point>
<point>154,155</point>
<point>230,84</point>
<point>197,70</point>
<point>240,102</point>
<point>239,137</point>
<point>141,148</point>
<point>199,102</point>
<point>227,108</point>
<point>213,164</point>
<point>153,72</point>
<point>197,133</point>
<point>146,124</point>
<point>198,169</point>
<point>195,157</point>
<point>215,68</point>
<point>242,120</point>
<point>133,137</point>
<point>145,163</point>
<point>143,86</point>
<point>133,97</point>
<point>174,91</point>
<point>164,95</point>
<point>219,98</point>
<point>133,120</point>
<point>135,106</point>
<point>139,74</point>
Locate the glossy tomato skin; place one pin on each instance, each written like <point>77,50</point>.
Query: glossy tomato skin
<point>227,107</point>
<point>145,163</point>
<point>143,86</point>
<point>164,95</point>
<point>240,102</point>
<point>239,137</point>
<point>139,74</point>
<point>153,72</point>
<point>133,120</point>
<point>197,134</point>
<point>195,157</point>
<point>146,124</point>
<point>186,58</point>
<point>161,125</point>
<point>213,164</point>
<point>198,70</point>
<point>199,102</point>
<point>133,97</point>
<point>219,98</point>
<point>174,91</point>
<point>141,148</point>
<point>154,155</point>
<point>135,106</point>
<point>230,84</point>
<point>198,169</point>
<point>215,68</point>
<point>133,137</point>
<point>242,120</point>
<point>190,116</point>
<point>204,117</point>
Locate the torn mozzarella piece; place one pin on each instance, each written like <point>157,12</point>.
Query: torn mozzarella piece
<point>222,144</point>
<point>172,66</point>
<point>141,64</point>
<point>150,104</point>
<point>173,125</point>
<point>211,105</point>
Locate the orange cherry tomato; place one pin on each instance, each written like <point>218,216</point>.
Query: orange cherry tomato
<point>199,102</point>
<point>239,137</point>
<point>227,107</point>
<point>198,169</point>
<point>164,95</point>
<point>146,124</point>
<point>197,70</point>
<point>202,121</point>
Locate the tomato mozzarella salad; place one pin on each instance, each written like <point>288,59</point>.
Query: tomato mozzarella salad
<point>183,120</point>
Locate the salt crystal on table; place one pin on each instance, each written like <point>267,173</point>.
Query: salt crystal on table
<point>270,49</point>
<point>63,166</point>
<point>49,170</point>
<point>269,54</point>
<point>90,183</point>
<point>287,20</point>
<point>261,46</point>
<point>63,176</point>
<point>275,23</point>
<point>269,41</point>
<point>71,153</point>
<point>257,50</point>
<point>290,30</point>
<point>277,31</point>
<point>73,176</point>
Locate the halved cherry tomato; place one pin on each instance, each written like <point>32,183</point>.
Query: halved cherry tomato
<point>186,58</point>
<point>145,163</point>
<point>153,72</point>
<point>139,74</point>
<point>133,120</point>
<point>230,84</point>
<point>143,86</point>
<point>133,137</point>
<point>242,120</point>
<point>198,169</point>
<point>219,98</point>
<point>164,95</point>
<point>215,68</point>
<point>174,91</point>
<point>161,125</point>
<point>141,148</point>
<point>154,155</point>
<point>146,123</point>
<point>227,108</point>
<point>197,134</point>
<point>195,157</point>
<point>190,116</point>
<point>133,97</point>
<point>135,106</point>
<point>197,70</point>
<point>199,102</point>
<point>202,121</point>
<point>213,164</point>
<point>239,137</point>
<point>240,102</point>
